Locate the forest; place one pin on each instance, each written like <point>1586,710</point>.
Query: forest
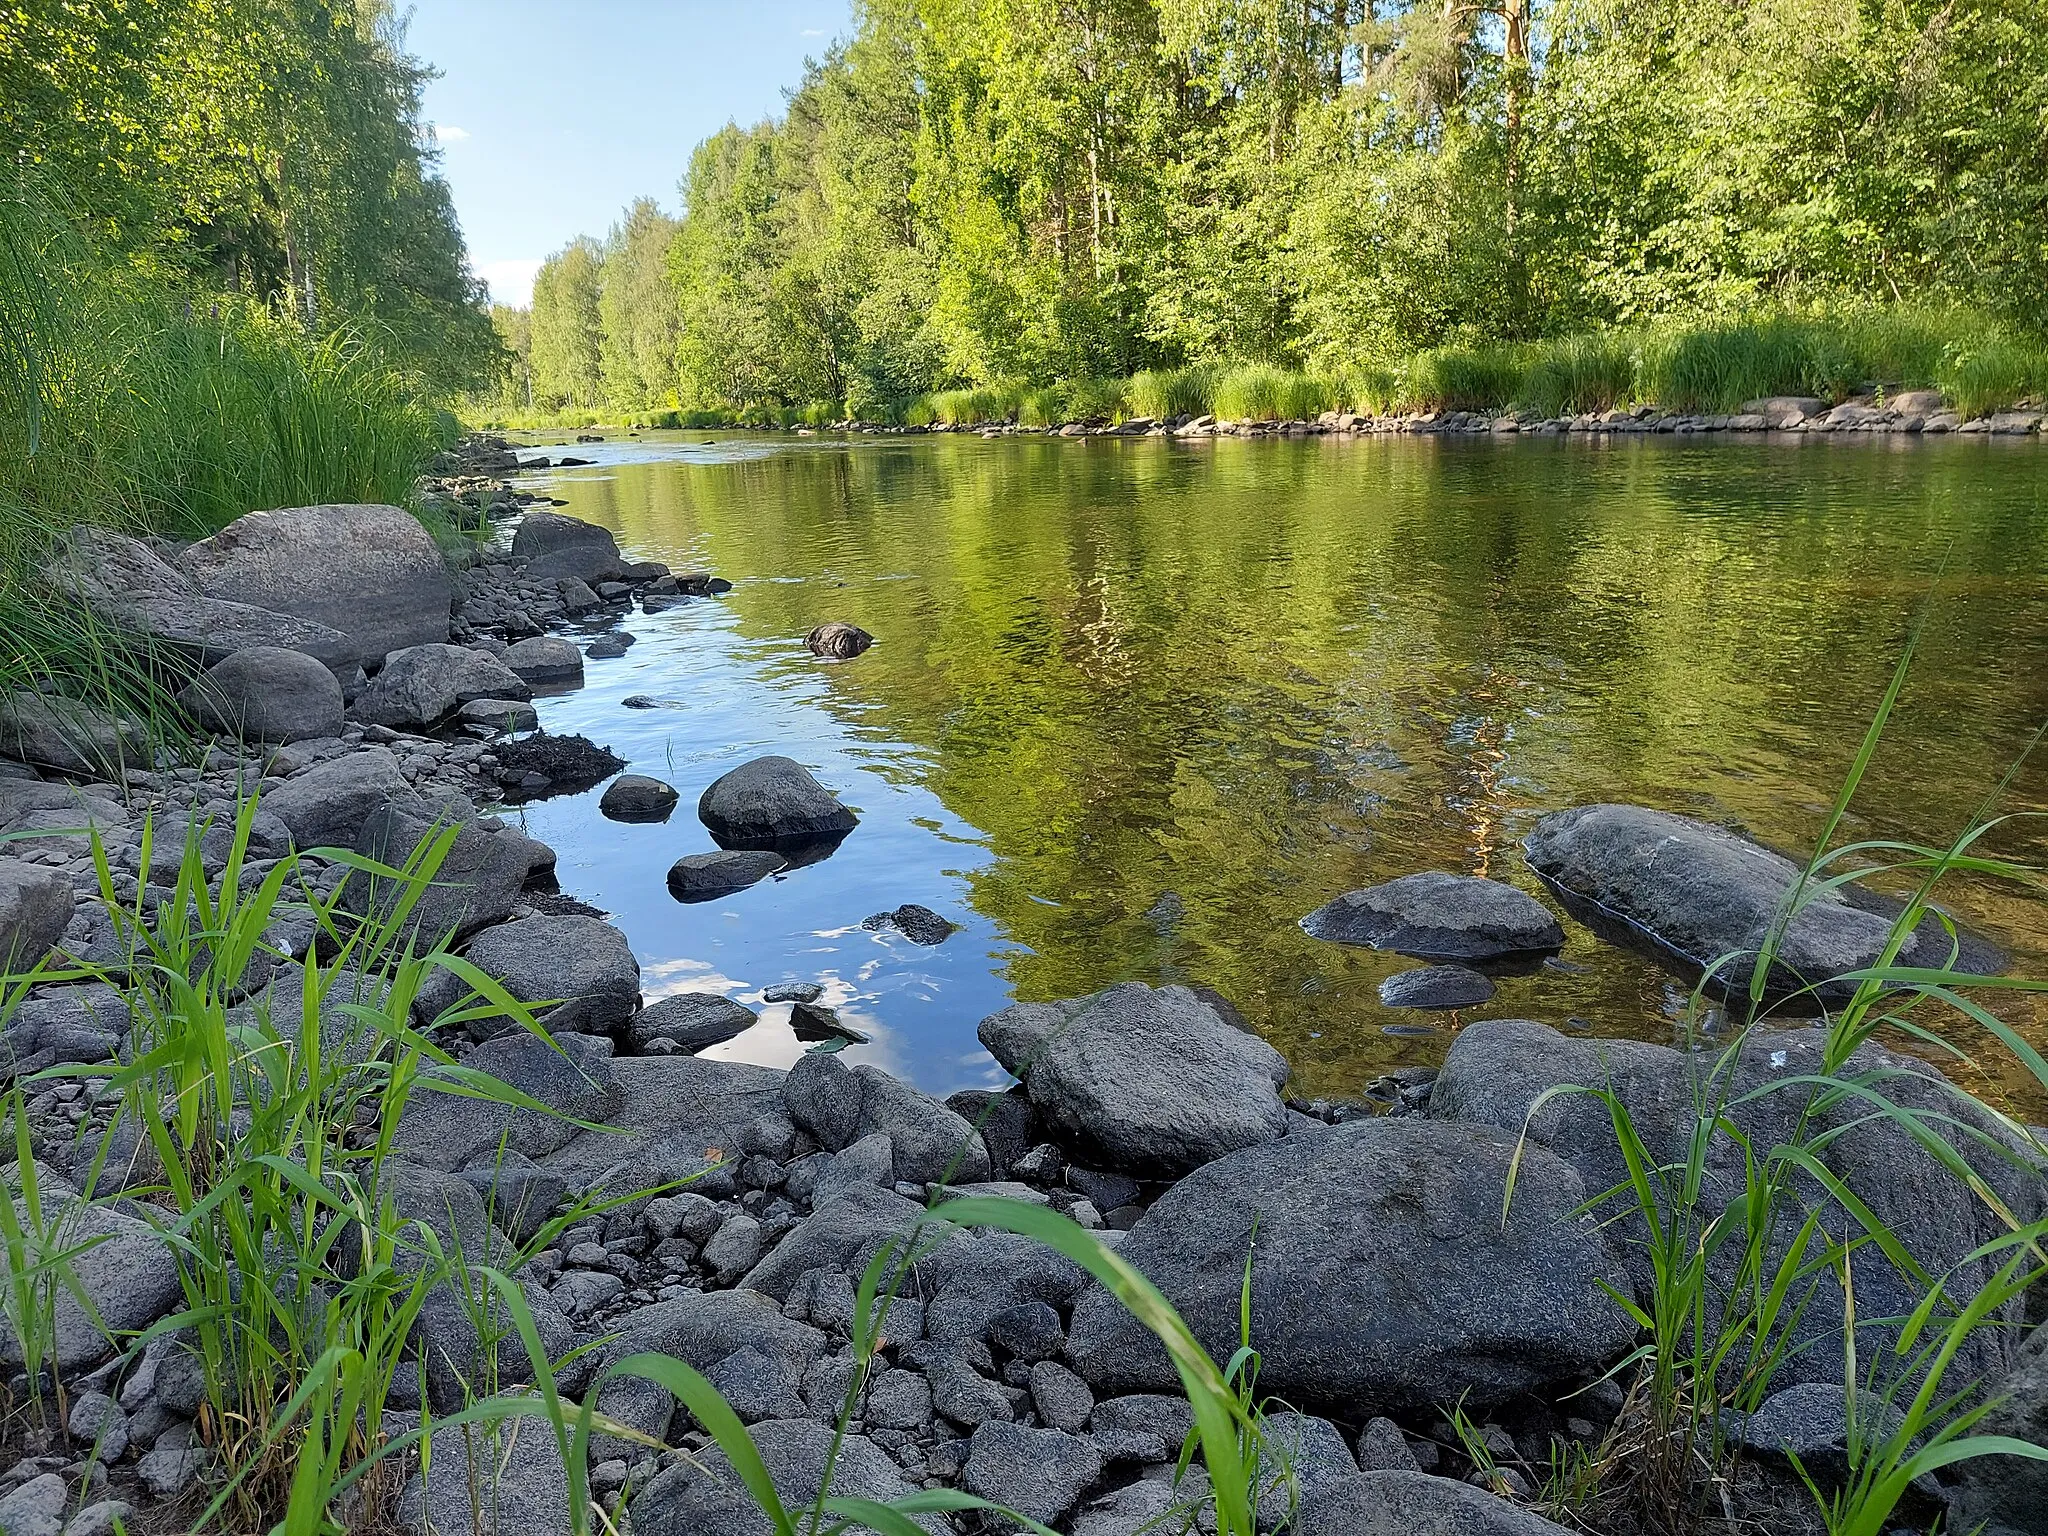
<point>985,192</point>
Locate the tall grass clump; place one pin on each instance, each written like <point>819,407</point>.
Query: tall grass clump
<point>982,405</point>
<point>1261,392</point>
<point>1166,393</point>
<point>1487,378</point>
<point>1584,374</point>
<point>1991,372</point>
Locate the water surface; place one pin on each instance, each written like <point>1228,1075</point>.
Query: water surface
<point>1137,706</point>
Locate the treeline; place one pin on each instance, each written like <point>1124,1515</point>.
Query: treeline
<point>264,157</point>
<point>973,191</point>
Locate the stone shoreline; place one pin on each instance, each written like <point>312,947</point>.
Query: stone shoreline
<point>1387,1287</point>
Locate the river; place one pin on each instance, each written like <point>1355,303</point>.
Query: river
<point>1136,706</point>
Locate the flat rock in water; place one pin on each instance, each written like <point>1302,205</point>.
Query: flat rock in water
<point>1438,916</point>
<point>1152,1082</point>
<point>814,1021</point>
<point>920,925</point>
<point>793,992</point>
<point>635,797</point>
<point>267,693</point>
<point>1385,1278</point>
<point>1441,987</point>
<point>1692,892</point>
<point>691,1021</point>
<point>648,701</point>
<point>708,876</point>
<point>610,647</point>
<point>545,659</point>
<point>772,801</point>
<point>371,572</point>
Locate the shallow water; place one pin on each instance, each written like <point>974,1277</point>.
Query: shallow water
<point>1137,706</point>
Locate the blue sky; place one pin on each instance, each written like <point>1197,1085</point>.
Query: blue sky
<point>552,117</point>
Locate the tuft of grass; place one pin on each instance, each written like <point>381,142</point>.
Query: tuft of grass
<point>1464,378</point>
<point>1166,393</point>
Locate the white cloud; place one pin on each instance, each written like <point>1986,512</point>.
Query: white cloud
<point>812,32</point>
<point>510,282</point>
<point>448,133</point>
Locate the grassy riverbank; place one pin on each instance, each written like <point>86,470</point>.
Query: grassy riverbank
<point>1979,366</point>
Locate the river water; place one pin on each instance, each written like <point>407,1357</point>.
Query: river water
<point>1136,706</point>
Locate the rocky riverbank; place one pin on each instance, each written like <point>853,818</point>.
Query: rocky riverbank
<point>364,689</point>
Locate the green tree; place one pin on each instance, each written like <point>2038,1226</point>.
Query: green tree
<point>566,329</point>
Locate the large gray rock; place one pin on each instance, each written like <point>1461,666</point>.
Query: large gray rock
<point>557,547</point>
<point>970,1282</point>
<point>583,966</point>
<point>1304,1459</point>
<point>570,1074</point>
<point>71,737</point>
<point>1413,1504</point>
<point>842,1233</point>
<point>839,1107</point>
<point>423,685</point>
<point>120,1264</point>
<point>476,882</point>
<point>329,804</point>
<point>1150,1081</point>
<point>769,802</point>
<point>708,876</point>
<point>691,1021</point>
<point>35,909</point>
<point>1437,916</point>
<point>66,1024</point>
<point>705,1497</point>
<point>1385,1278</point>
<point>1039,1473</point>
<point>267,693</point>
<point>371,572</point>
<point>490,1480</point>
<point>546,660</point>
<point>677,1116</point>
<point>2010,1493</point>
<point>1692,892</point>
<point>123,582</point>
<point>635,797</point>
<point>1498,1068</point>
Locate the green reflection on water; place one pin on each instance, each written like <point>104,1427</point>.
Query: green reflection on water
<point>1191,691</point>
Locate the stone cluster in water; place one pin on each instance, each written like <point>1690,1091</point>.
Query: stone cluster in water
<point>1391,1278</point>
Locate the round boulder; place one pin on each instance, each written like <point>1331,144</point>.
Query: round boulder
<point>841,642</point>
<point>581,967</point>
<point>635,797</point>
<point>545,659</point>
<point>772,801</point>
<point>1438,916</point>
<point>1384,1277</point>
<point>267,693</point>
<point>1437,987</point>
<point>708,876</point>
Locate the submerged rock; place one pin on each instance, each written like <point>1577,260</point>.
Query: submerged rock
<point>1147,1081</point>
<point>839,641</point>
<point>771,801</point>
<point>920,925</point>
<point>1440,987</point>
<point>1692,892</point>
<point>1385,1277</point>
<point>708,876</point>
<point>1438,916</point>
<point>635,797</point>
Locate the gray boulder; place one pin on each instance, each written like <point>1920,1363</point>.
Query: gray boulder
<point>490,1480</point>
<point>122,1267</point>
<point>708,876</point>
<point>678,1118</point>
<point>1810,1423</point>
<point>559,548</point>
<point>545,660</point>
<point>1692,892</point>
<point>60,733</point>
<point>839,1107</point>
<point>423,685</point>
<point>1413,1504</point>
<point>371,572</point>
<point>769,802</point>
<point>1150,1081</point>
<point>1039,1473</point>
<point>476,883</point>
<point>36,1508</point>
<point>1497,1069</point>
<point>1385,1278</point>
<point>581,966</point>
<point>66,1024</point>
<point>570,1074</point>
<point>329,804</point>
<point>970,1282</point>
<point>35,908</point>
<point>838,640</point>
<point>692,1021</point>
<point>842,1233</point>
<point>635,797</point>
<point>267,693</point>
<point>1438,916</point>
<point>1308,1457</point>
<point>703,1496</point>
<point>123,582</point>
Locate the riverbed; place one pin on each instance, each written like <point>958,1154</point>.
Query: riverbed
<point>1136,705</point>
